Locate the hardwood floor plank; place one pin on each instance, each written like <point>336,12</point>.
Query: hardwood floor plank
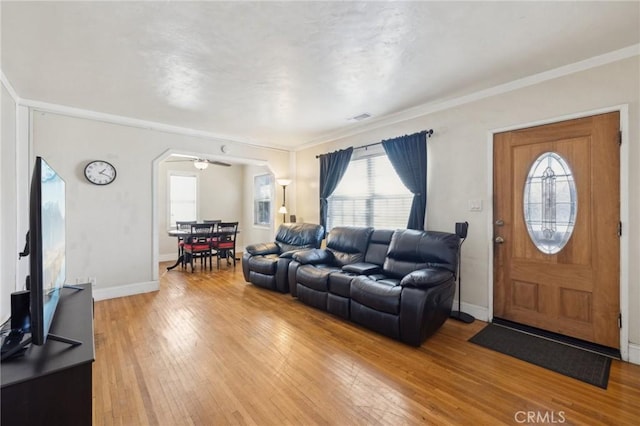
<point>209,349</point>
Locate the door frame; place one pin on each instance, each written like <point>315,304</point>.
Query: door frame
<point>623,109</point>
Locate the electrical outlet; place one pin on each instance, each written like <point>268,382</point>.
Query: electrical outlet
<point>92,280</point>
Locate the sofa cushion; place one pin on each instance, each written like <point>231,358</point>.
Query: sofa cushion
<point>382,295</point>
<point>292,236</point>
<point>411,250</point>
<point>348,243</point>
<point>264,264</point>
<point>315,278</point>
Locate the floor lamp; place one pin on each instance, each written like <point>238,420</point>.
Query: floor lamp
<point>283,209</point>
<point>461,231</point>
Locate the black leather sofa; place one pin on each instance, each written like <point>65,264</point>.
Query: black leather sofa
<point>399,283</point>
<point>266,264</point>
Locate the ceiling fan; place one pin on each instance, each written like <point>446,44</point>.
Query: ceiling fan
<point>199,163</point>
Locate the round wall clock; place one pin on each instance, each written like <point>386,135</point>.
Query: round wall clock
<point>100,172</point>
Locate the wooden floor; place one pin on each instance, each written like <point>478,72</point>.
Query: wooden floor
<point>210,349</point>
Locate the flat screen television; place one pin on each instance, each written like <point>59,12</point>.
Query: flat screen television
<point>47,240</point>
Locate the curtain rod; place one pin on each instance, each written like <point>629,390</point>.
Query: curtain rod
<point>429,134</point>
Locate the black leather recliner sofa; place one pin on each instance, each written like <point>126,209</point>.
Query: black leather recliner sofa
<point>266,264</point>
<point>399,283</point>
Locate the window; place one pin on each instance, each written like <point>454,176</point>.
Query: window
<point>550,203</point>
<point>262,200</point>
<point>183,190</point>
<point>370,194</point>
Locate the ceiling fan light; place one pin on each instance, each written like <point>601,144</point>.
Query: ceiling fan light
<point>200,165</point>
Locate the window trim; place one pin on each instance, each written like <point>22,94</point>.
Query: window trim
<point>171,173</point>
<point>268,225</point>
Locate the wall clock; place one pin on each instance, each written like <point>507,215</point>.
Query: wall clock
<point>100,172</point>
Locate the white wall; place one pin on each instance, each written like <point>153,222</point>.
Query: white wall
<point>111,231</point>
<point>459,163</point>
<point>8,202</point>
<point>220,196</point>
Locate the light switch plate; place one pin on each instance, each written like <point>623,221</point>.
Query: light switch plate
<point>475,205</point>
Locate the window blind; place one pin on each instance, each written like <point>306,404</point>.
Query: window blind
<point>182,198</point>
<point>370,194</point>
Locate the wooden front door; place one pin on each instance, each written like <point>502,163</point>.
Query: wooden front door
<point>559,270</point>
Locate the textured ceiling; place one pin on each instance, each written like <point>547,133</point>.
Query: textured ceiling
<point>291,73</point>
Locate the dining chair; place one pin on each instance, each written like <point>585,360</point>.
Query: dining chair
<point>225,245</point>
<point>198,245</point>
<point>183,225</point>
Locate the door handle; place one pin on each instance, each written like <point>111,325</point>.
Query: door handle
<point>499,240</point>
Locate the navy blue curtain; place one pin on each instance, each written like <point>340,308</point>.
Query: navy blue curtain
<point>408,155</point>
<point>332,168</point>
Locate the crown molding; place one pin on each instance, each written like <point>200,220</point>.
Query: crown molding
<point>142,124</point>
<point>432,107</point>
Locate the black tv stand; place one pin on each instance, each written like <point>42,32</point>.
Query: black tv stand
<point>54,382</point>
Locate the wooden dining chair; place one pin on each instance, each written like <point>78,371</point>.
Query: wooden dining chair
<point>183,225</point>
<point>199,245</point>
<point>225,244</point>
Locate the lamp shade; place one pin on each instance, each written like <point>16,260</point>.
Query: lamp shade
<point>282,210</point>
<point>284,182</point>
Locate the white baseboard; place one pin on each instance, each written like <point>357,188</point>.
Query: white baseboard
<point>478,312</point>
<point>168,257</point>
<point>125,290</point>
<point>634,353</point>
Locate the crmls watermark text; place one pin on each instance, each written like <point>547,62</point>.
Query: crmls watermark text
<point>533,417</point>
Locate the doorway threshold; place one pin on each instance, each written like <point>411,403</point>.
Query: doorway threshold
<point>560,338</point>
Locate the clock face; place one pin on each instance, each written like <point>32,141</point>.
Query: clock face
<point>100,172</point>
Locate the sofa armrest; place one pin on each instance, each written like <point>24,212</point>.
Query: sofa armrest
<point>426,278</point>
<point>362,268</point>
<point>289,254</point>
<point>263,248</point>
<point>314,256</point>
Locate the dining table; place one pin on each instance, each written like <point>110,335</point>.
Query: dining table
<point>186,234</point>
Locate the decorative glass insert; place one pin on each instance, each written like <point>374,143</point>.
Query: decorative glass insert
<point>550,203</point>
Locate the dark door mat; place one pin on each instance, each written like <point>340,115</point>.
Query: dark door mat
<point>560,338</point>
<point>574,362</point>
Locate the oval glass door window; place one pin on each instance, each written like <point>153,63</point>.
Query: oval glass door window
<point>550,203</point>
